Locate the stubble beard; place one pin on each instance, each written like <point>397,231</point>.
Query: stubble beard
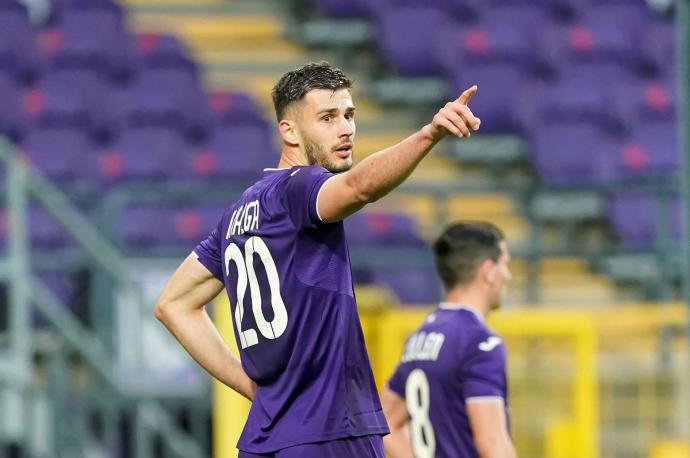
<point>317,156</point>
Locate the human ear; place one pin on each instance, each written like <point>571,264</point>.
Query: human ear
<point>288,132</point>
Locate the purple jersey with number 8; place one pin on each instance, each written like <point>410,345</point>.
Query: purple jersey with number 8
<point>453,359</point>
<point>289,281</point>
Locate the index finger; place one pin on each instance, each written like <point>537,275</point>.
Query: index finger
<point>467,95</point>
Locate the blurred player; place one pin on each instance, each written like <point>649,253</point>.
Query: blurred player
<point>451,383</point>
<point>280,252</point>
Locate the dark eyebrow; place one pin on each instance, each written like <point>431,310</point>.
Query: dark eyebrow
<point>334,110</point>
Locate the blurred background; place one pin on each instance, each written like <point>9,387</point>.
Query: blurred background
<point>127,127</point>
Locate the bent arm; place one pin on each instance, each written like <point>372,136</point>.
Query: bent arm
<point>489,429</point>
<point>397,443</point>
<point>181,308</point>
<point>380,173</point>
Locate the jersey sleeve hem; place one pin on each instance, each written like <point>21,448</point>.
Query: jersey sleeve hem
<point>479,399</point>
<point>316,203</point>
<point>210,266</point>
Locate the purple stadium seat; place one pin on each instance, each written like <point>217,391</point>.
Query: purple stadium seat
<point>573,152</point>
<point>66,287</point>
<point>495,102</point>
<point>62,154</point>
<point>347,8</point>
<point>184,225</point>
<point>95,38</point>
<point>76,98</point>
<point>45,232</point>
<point>236,151</point>
<point>147,154</point>
<point>235,107</point>
<point>651,150</point>
<point>373,229</point>
<point>500,53</point>
<point>658,48</point>
<point>20,55</point>
<point>603,34</point>
<point>578,96</point>
<point>412,285</point>
<point>169,98</point>
<point>635,217</point>
<point>562,9</point>
<point>12,117</point>
<point>412,53</point>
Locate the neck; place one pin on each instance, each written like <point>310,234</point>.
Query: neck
<point>471,296</point>
<point>291,156</point>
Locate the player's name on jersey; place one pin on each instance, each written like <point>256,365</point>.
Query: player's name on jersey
<point>244,219</point>
<point>423,346</point>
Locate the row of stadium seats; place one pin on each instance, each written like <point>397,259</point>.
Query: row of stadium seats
<point>164,228</point>
<point>77,120</point>
<point>590,85</point>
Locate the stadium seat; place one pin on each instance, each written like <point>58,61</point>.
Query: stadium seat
<point>573,152</point>
<point>658,48</point>
<point>636,219</point>
<point>651,150</point>
<point>371,229</point>
<point>236,107</point>
<point>343,9</point>
<point>170,98</point>
<point>78,99</point>
<point>576,97</point>
<point>12,117</point>
<point>236,151</point>
<point>147,153</point>
<point>413,53</point>
<point>498,52</point>
<point>94,37</point>
<point>167,226</point>
<point>605,34</point>
<point>45,232</point>
<point>20,55</point>
<point>66,155</point>
<point>413,285</point>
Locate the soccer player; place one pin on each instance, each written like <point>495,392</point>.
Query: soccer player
<point>280,253</point>
<point>450,385</point>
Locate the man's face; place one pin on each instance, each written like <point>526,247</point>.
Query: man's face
<point>326,124</point>
<point>501,277</point>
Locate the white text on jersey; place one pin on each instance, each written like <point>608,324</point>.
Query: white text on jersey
<point>423,347</point>
<point>244,219</point>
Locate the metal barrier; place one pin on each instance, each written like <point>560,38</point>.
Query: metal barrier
<point>53,434</point>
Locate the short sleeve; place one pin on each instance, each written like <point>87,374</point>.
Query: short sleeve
<point>397,382</point>
<point>483,371</point>
<point>208,254</point>
<point>301,191</point>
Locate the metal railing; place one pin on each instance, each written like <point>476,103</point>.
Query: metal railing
<point>25,290</point>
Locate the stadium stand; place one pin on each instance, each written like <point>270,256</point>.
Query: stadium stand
<point>139,111</point>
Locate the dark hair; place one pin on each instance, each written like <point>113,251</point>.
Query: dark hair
<point>293,85</point>
<point>462,247</point>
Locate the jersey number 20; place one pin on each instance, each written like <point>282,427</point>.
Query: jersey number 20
<point>417,397</point>
<point>245,272</point>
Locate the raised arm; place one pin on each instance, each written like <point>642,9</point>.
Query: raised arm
<point>181,309</point>
<point>380,173</point>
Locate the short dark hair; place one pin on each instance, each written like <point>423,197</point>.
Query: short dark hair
<point>462,247</point>
<point>293,85</point>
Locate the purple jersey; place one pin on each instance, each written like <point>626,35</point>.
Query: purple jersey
<point>453,359</point>
<point>289,281</point>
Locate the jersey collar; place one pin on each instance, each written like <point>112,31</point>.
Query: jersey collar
<point>455,306</point>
